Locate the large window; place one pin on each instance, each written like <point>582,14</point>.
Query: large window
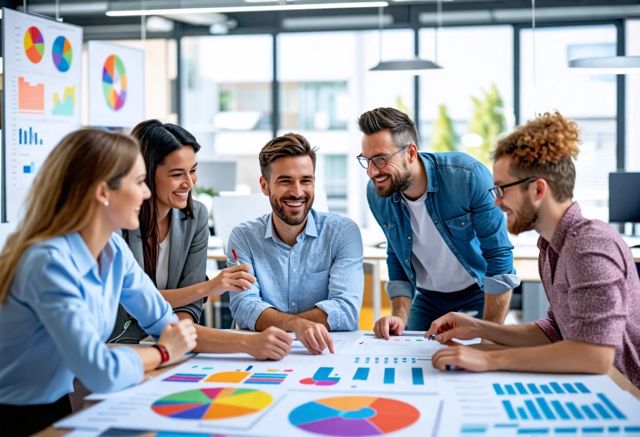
<point>467,104</point>
<point>324,86</point>
<point>590,100</point>
<point>226,98</point>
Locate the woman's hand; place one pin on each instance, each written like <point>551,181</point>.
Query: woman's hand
<point>178,338</point>
<point>235,278</point>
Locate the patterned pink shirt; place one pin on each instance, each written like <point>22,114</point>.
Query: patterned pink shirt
<point>593,289</point>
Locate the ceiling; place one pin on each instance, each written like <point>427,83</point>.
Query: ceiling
<point>91,15</point>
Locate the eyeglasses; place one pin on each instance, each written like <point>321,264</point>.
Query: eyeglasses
<point>380,161</point>
<point>497,191</point>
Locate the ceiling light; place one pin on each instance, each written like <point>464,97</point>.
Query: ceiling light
<point>250,8</point>
<point>415,65</point>
<point>608,64</point>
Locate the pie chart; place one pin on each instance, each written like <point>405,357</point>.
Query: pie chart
<point>212,403</point>
<point>34,44</point>
<point>354,416</point>
<point>114,82</point>
<point>62,54</point>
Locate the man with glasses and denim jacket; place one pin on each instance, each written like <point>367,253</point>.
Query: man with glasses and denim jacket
<point>447,244</point>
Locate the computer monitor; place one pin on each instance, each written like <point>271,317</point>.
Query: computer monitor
<point>219,174</point>
<point>624,197</point>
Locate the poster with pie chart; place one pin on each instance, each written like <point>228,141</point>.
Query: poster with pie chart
<point>62,54</point>
<point>34,44</point>
<point>116,84</point>
<point>42,85</point>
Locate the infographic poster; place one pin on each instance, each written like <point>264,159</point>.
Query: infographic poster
<point>116,85</point>
<point>42,77</point>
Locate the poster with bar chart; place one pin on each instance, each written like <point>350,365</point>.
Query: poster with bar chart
<point>42,81</point>
<point>495,404</point>
<point>116,84</point>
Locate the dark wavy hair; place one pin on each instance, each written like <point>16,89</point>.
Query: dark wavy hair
<point>157,140</point>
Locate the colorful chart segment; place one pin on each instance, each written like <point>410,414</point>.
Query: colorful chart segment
<point>114,82</point>
<point>62,54</point>
<point>212,403</point>
<point>270,377</point>
<point>34,44</point>
<point>354,416</point>
<point>321,377</point>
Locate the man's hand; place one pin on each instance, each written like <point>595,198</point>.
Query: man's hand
<point>271,344</point>
<point>234,278</point>
<point>314,336</point>
<point>389,325</point>
<point>454,325</point>
<point>463,358</point>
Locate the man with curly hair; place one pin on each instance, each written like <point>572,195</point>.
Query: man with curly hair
<point>586,268</point>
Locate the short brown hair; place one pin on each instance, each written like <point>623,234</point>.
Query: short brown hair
<point>403,129</point>
<point>290,144</point>
<point>544,147</point>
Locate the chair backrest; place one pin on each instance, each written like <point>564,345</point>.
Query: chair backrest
<point>229,211</point>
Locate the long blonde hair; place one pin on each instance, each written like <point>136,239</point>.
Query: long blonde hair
<point>61,199</point>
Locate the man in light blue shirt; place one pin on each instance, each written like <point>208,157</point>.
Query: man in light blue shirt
<point>307,264</point>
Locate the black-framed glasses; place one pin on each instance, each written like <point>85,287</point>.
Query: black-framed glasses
<point>380,161</point>
<point>497,191</point>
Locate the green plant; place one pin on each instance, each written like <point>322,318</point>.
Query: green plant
<point>206,190</point>
<point>443,138</point>
<point>488,122</point>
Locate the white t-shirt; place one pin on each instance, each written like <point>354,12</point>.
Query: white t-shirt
<point>436,267</point>
<point>162,267</point>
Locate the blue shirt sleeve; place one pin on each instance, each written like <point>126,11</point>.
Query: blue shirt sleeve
<point>346,281</point>
<point>489,225</point>
<point>247,305</point>
<point>57,298</point>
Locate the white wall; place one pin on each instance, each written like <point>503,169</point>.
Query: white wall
<point>632,133</point>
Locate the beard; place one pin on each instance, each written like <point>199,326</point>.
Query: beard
<point>399,183</point>
<point>525,220</point>
<point>279,209</point>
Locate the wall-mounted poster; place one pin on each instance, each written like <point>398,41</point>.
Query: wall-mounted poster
<point>42,76</point>
<point>116,85</point>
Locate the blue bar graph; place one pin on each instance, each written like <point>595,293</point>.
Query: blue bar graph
<point>362,374</point>
<point>389,375</point>
<point>575,411</point>
<point>601,410</point>
<point>521,389</point>
<point>589,412</point>
<point>417,376</point>
<point>532,409</point>
<point>29,137</point>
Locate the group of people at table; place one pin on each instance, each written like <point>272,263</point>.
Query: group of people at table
<point>112,248</point>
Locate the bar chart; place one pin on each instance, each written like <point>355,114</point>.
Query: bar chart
<point>29,137</point>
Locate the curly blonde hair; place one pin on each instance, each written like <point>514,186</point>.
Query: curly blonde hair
<point>544,147</point>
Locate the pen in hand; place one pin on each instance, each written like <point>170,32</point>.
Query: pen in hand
<point>235,261</point>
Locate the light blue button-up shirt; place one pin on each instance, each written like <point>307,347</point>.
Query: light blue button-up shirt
<point>60,310</point>
<point>323,269</point>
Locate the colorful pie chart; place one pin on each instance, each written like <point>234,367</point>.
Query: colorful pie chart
<point>62,54</point>
<point>212,403</point>
<point>34,44</point>
<point>354,416</point>
<point>114,82</point>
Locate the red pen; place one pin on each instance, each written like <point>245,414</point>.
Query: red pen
<point>235,256</point>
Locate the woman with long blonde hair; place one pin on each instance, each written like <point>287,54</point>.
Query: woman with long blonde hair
<point>63,273</point>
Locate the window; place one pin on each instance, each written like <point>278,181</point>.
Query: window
<point>589,100</point>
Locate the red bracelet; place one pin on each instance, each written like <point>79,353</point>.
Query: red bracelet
<point>164,353</point>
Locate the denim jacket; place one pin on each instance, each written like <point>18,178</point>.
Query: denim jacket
<point>463,211</point>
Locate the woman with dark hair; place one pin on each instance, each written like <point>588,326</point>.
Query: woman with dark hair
<point>171,245</point>
<point>62,274</point>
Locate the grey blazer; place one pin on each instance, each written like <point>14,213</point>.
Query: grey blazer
<point>187,266</point>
